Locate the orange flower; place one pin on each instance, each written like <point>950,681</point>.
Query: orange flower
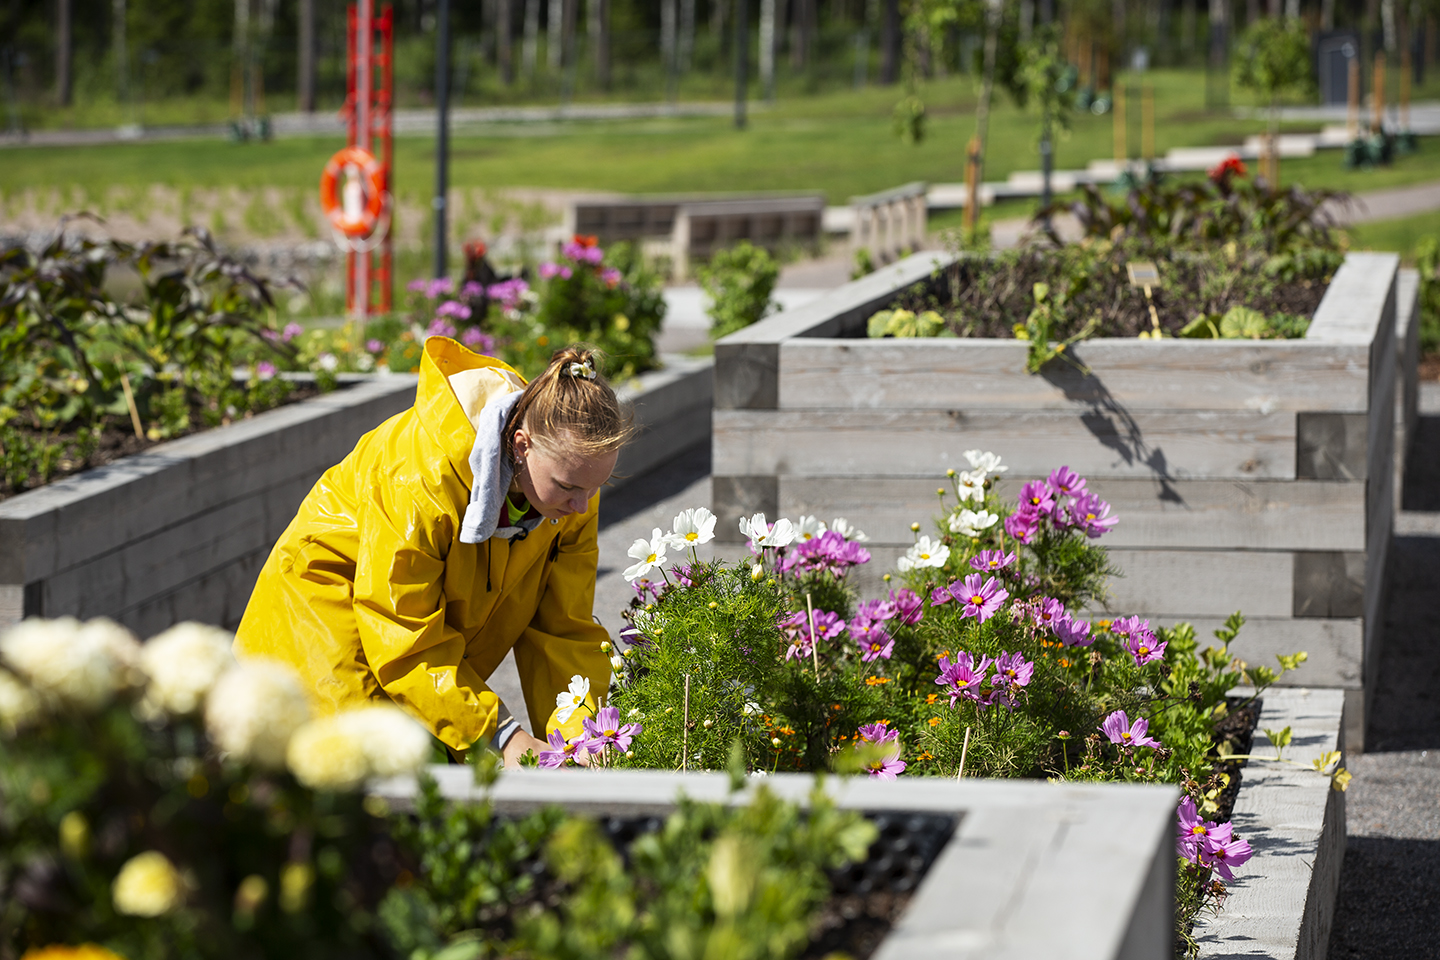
<point>85,951</point>
<point>585,240</point>
<point>925,756</point>
<point>932,698</point>
<point>934,721</point>
<point>876,681</point>
<point>1064,662</point>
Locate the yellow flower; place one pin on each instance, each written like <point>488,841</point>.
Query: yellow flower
<point>876,681</point>
<point>934,721</point>
<point>148,885</point>
<point>59,951</point>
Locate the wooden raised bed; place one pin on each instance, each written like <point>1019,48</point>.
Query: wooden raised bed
<point>1251,475</point>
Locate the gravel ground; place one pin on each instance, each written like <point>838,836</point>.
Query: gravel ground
<point>1390,887</point>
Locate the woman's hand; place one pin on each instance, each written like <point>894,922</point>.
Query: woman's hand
<point>520,744</point>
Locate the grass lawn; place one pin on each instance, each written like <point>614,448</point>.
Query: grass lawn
<point>1402,236</point>
<point>838,143</point>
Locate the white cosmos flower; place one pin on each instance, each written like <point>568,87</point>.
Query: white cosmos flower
<point>971,522</point>
<point>925,553</point>
<point>763,534</point>
<point>970,485</point>
<point>692,528</point>
<point>80,664</point>
<point>183,663</point>
<point>843,527</point>
<point>650,553</point>
<point>617,663</point>
<point>808,528</point>
<point>253,709</point>
<point>568,702</point>
<point>984,462</point>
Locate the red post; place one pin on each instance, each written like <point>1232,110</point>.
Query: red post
<point>370,82</point>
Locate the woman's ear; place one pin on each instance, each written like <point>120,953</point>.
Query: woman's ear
<point>521,444</point>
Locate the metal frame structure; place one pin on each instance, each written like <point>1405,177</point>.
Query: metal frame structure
<point>369,120</point>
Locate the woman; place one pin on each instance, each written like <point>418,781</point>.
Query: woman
<point>454,532</point>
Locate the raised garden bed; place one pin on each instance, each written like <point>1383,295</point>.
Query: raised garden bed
<point>1020,850</point>
<point>1250,474</point>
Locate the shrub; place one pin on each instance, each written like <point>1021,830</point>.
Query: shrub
<point>739,281</point>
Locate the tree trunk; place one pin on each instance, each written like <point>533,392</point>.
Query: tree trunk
<point>667,45</point>
<point>687,34</point>
<point>504,42</point>
<point>531,48</point>
<point>598,12</point>
<point>64,75</point>
<point>767,49</point>
<point>889,41</point>
<point>122,48</point>
<point>553,18</point>
<point>1387,25</point>
<point>717,24</point>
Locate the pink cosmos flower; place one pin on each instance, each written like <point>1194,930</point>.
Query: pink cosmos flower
<point>471,289</point>
<point>375,346</point>
<point>1012,672</point>
<point>478,340</point>
<point>1197,838</point>
<point>1066,482</point>
<point>1073,633</point>
<point>508,292</point>
<point>941,595</point>
<point>908,607</point>
<point>439,287</point>
<point>610,277</point>
<point>829,552</point>
<point>606,730</point>
<point>440,327</point>
<point>1092,515</point>
<point>1023,524</point>
<point>453,308</point>
<point>981,601</point>
<point>988,561</point>
<point>418,285</point>
<point>1038,496</point>
<point>963,677</point>
<point>562,752</point>
<point>549,271</point>
<point>1120,730</point>
<point>582,254</point>
<point>1144,646</point>
<point>876,645</point>
<point>878,733</point>
<point>1047,612</point>
<point>1222,856</point>
<point>796,629</point>
<point>876,610</point>
<point>265,370</point>
<point>291,331</point>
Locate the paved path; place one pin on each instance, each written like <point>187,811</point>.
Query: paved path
<point>1390,886</point>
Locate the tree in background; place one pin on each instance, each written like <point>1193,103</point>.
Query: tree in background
<point>1274,57</point>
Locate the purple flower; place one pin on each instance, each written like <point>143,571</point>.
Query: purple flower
<point>291,331</point>
<point>829,552</point>
<point>1124,626</point>
<point>1073,633</point>
<point>887,766</point>
<point>878,733</point>
<point>1120,730</point>
<point>508,292</point>
<point>440,327</point>
<point>478,340</point>
<point>581,253</point>
<point>941,595</point>
<point>1222,856</point>
<point>1038,496</point>
<point>472,289</point>
<point>375,346</point>
<point>877,644</point>
<point>1144,647</point>
<point>1047,612</point>
<point>611,277</point>
<point>908,607</point>
<point>453,308</point>
<point>987,561</point>
<point>981,601</point>
<point>686,573</point>
<point>418,286</point>
<point>1066,482</point>
<point>562,751</point>
<point>963,677</point>
<point>439,287</point>
<point>796,629</point>
<point>265,370</point>
<point>876,610</point>
<point>270,335</point>
<point>1023,524</point>
<point>644,585</point>
<point>1092,515</point>
<point>1012,671</point>
<point>1194,834</point>
<point>549,271</point>
<point>606,730</point>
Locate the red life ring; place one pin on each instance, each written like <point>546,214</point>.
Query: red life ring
<point>353,219</point>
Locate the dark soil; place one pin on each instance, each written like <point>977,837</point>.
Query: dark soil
<point>1237,726</point>
<point>987,297</point>
<point>1430,367</point>
<point>117,439</point>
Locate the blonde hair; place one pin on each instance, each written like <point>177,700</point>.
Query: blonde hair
<point>570,408</point>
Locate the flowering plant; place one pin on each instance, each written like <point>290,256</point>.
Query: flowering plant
<point>978,659</point>
<point>165,801</point>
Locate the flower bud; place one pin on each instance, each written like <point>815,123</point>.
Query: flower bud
<point>604,646</point>
<point>757,573</point>
<point>950,472</point>
<point>708,724</point>
<point>775,742</point>
<point>714,605</point>
<point>914,528</point>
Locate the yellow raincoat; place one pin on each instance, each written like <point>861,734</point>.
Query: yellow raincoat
<point>370,594</point>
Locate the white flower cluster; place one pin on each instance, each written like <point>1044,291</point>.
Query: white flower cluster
<point>182,665</point>
<point>67,663</point>
<point>691,529</point>
<point>970,484</point>
<point>342,751</point>
<point>254,709</point>
<point>925,553</point>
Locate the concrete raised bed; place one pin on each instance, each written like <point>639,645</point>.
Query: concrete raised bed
<point>1282,903</point>
<point>1033,870</point>
<point>180,532</point>
<point>1247,475</point>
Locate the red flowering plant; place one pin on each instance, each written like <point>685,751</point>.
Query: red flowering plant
<point>982,657</point>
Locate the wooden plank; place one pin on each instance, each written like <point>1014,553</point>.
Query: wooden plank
<point>153,566</point>
<point>1235,514</point>
<point>218,597</point>
<point>1139,375</point>
<point>1355,304</point>
<point>922,443</point>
